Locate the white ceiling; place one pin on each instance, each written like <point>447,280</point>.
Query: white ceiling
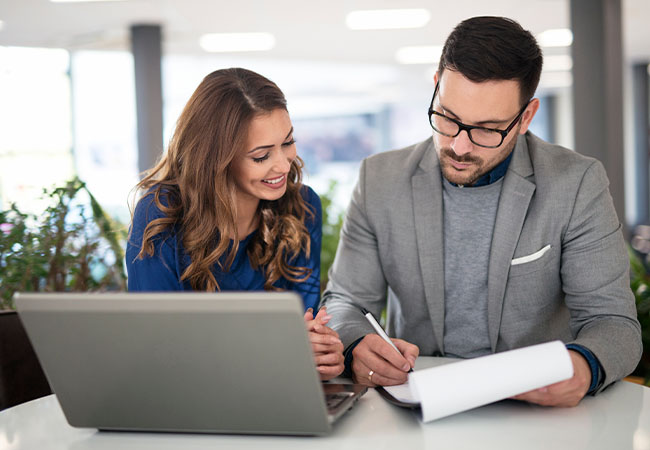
<point>303,29</point>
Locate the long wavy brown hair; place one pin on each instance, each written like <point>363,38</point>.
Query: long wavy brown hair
<point>193,185</point>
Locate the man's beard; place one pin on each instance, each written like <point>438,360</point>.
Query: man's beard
<point>466,177</point>
<point>470,175</point>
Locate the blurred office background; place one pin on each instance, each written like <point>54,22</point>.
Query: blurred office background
<point>356,84</point>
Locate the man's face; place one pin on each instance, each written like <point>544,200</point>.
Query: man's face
<point>490,104</point>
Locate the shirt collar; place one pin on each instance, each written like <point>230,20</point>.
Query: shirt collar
<point>493,175</point>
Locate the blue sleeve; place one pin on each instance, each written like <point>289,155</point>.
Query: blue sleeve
<point>347,355</point>
<point>310,288</point>
<point>596,369</point>
<point>161,271</point>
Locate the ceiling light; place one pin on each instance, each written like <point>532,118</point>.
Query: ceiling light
<point>237,42</point>
<point>550,80</point>
<point>2,24</point>
<point>421,54</point>
<point>384,19</point>
<point>558,37</point>
<point>83,1</point>
<point>556,63</point>
<point>34,59</point>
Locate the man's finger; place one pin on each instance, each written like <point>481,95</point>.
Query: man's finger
<point>368,353</point>
<point>387,352</point>
<point>408,350</point>
<point>368,377</point>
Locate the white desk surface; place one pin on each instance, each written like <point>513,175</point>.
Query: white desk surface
<point>617,419</point>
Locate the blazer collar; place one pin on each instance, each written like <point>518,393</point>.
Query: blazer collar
<point>521,164</point>
<point>516,194</point>
<point>426,185</point>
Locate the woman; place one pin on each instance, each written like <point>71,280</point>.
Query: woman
<point>225,208</point>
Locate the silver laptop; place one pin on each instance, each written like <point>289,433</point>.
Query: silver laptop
<point>232,362</point>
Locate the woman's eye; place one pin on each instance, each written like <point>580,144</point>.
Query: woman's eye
<point>291,142</point>
<point>261,158</point>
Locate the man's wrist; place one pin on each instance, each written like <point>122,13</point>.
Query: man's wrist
<point>594,366</point>
<point>347,355</point>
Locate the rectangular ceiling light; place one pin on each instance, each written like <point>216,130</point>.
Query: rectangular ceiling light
<point>237,42</point>
<point>558,63</point>
<point>385,19</point>
<point>420,54</point>
<point>557,37</point>
<point>84,1</point>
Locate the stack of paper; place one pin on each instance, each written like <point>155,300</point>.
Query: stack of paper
<point>452,388</point>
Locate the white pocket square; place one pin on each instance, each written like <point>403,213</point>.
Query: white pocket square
<point>529,258</point>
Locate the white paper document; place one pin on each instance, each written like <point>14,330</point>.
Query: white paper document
<point>453,388</point>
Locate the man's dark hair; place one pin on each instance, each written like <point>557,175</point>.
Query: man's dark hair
<point>494,48</point>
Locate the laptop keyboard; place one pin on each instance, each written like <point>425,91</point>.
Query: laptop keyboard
<point>335,399</point>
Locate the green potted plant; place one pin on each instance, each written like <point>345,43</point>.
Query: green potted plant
<point>72,246</point>
<point>640,283</point>
<point>332,223</point>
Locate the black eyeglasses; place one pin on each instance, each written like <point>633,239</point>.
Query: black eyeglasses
<point>481,136</point>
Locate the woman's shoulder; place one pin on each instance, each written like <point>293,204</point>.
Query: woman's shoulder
<point>150,206</point>
<point>313,203</point>
<point>310,196</point>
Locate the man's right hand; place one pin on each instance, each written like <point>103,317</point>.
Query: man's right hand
<point>374,362</point>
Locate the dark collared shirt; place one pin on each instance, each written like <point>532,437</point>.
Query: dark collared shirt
<point>493,175</point>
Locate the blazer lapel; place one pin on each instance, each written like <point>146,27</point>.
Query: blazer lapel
<point>427,201</point>
<point>516,194</point>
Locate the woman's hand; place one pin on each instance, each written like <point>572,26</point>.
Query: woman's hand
<point>325,343</point>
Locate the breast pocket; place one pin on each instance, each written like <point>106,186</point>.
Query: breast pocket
<point>531,262</point>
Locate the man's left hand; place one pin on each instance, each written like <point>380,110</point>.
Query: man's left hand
<point>565,393</point>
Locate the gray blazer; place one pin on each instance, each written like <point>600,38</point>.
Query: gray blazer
<point>577,290</point>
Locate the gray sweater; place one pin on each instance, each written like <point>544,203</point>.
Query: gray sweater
<point>469,214</point>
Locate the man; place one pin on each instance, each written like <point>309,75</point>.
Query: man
<point>485,238</point>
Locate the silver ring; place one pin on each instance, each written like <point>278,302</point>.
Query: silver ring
<point>370,375</point>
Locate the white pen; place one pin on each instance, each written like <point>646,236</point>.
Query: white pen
<point>380,331</point>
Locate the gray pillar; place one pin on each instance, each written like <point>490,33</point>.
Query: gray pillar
<point>549,110</point>
<point>598,88</point>
<point>146,47</point>
<point>641,147</point>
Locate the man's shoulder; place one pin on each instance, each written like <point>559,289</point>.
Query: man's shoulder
<point>556,159</point>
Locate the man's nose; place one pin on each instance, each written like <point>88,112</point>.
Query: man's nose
<point>461,143</point>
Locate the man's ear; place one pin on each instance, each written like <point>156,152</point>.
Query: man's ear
<point>528,115</point>
<point>435,78</point>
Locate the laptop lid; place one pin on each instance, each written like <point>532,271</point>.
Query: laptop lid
<point>232,362</point>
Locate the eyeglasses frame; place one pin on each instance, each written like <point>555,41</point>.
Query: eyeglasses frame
<point>469,128</point>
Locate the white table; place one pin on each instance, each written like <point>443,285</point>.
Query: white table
<point>617,419</point>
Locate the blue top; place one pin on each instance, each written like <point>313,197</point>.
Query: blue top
<point>163,270</point>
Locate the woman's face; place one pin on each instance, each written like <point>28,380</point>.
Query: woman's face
<point>261,170</point>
